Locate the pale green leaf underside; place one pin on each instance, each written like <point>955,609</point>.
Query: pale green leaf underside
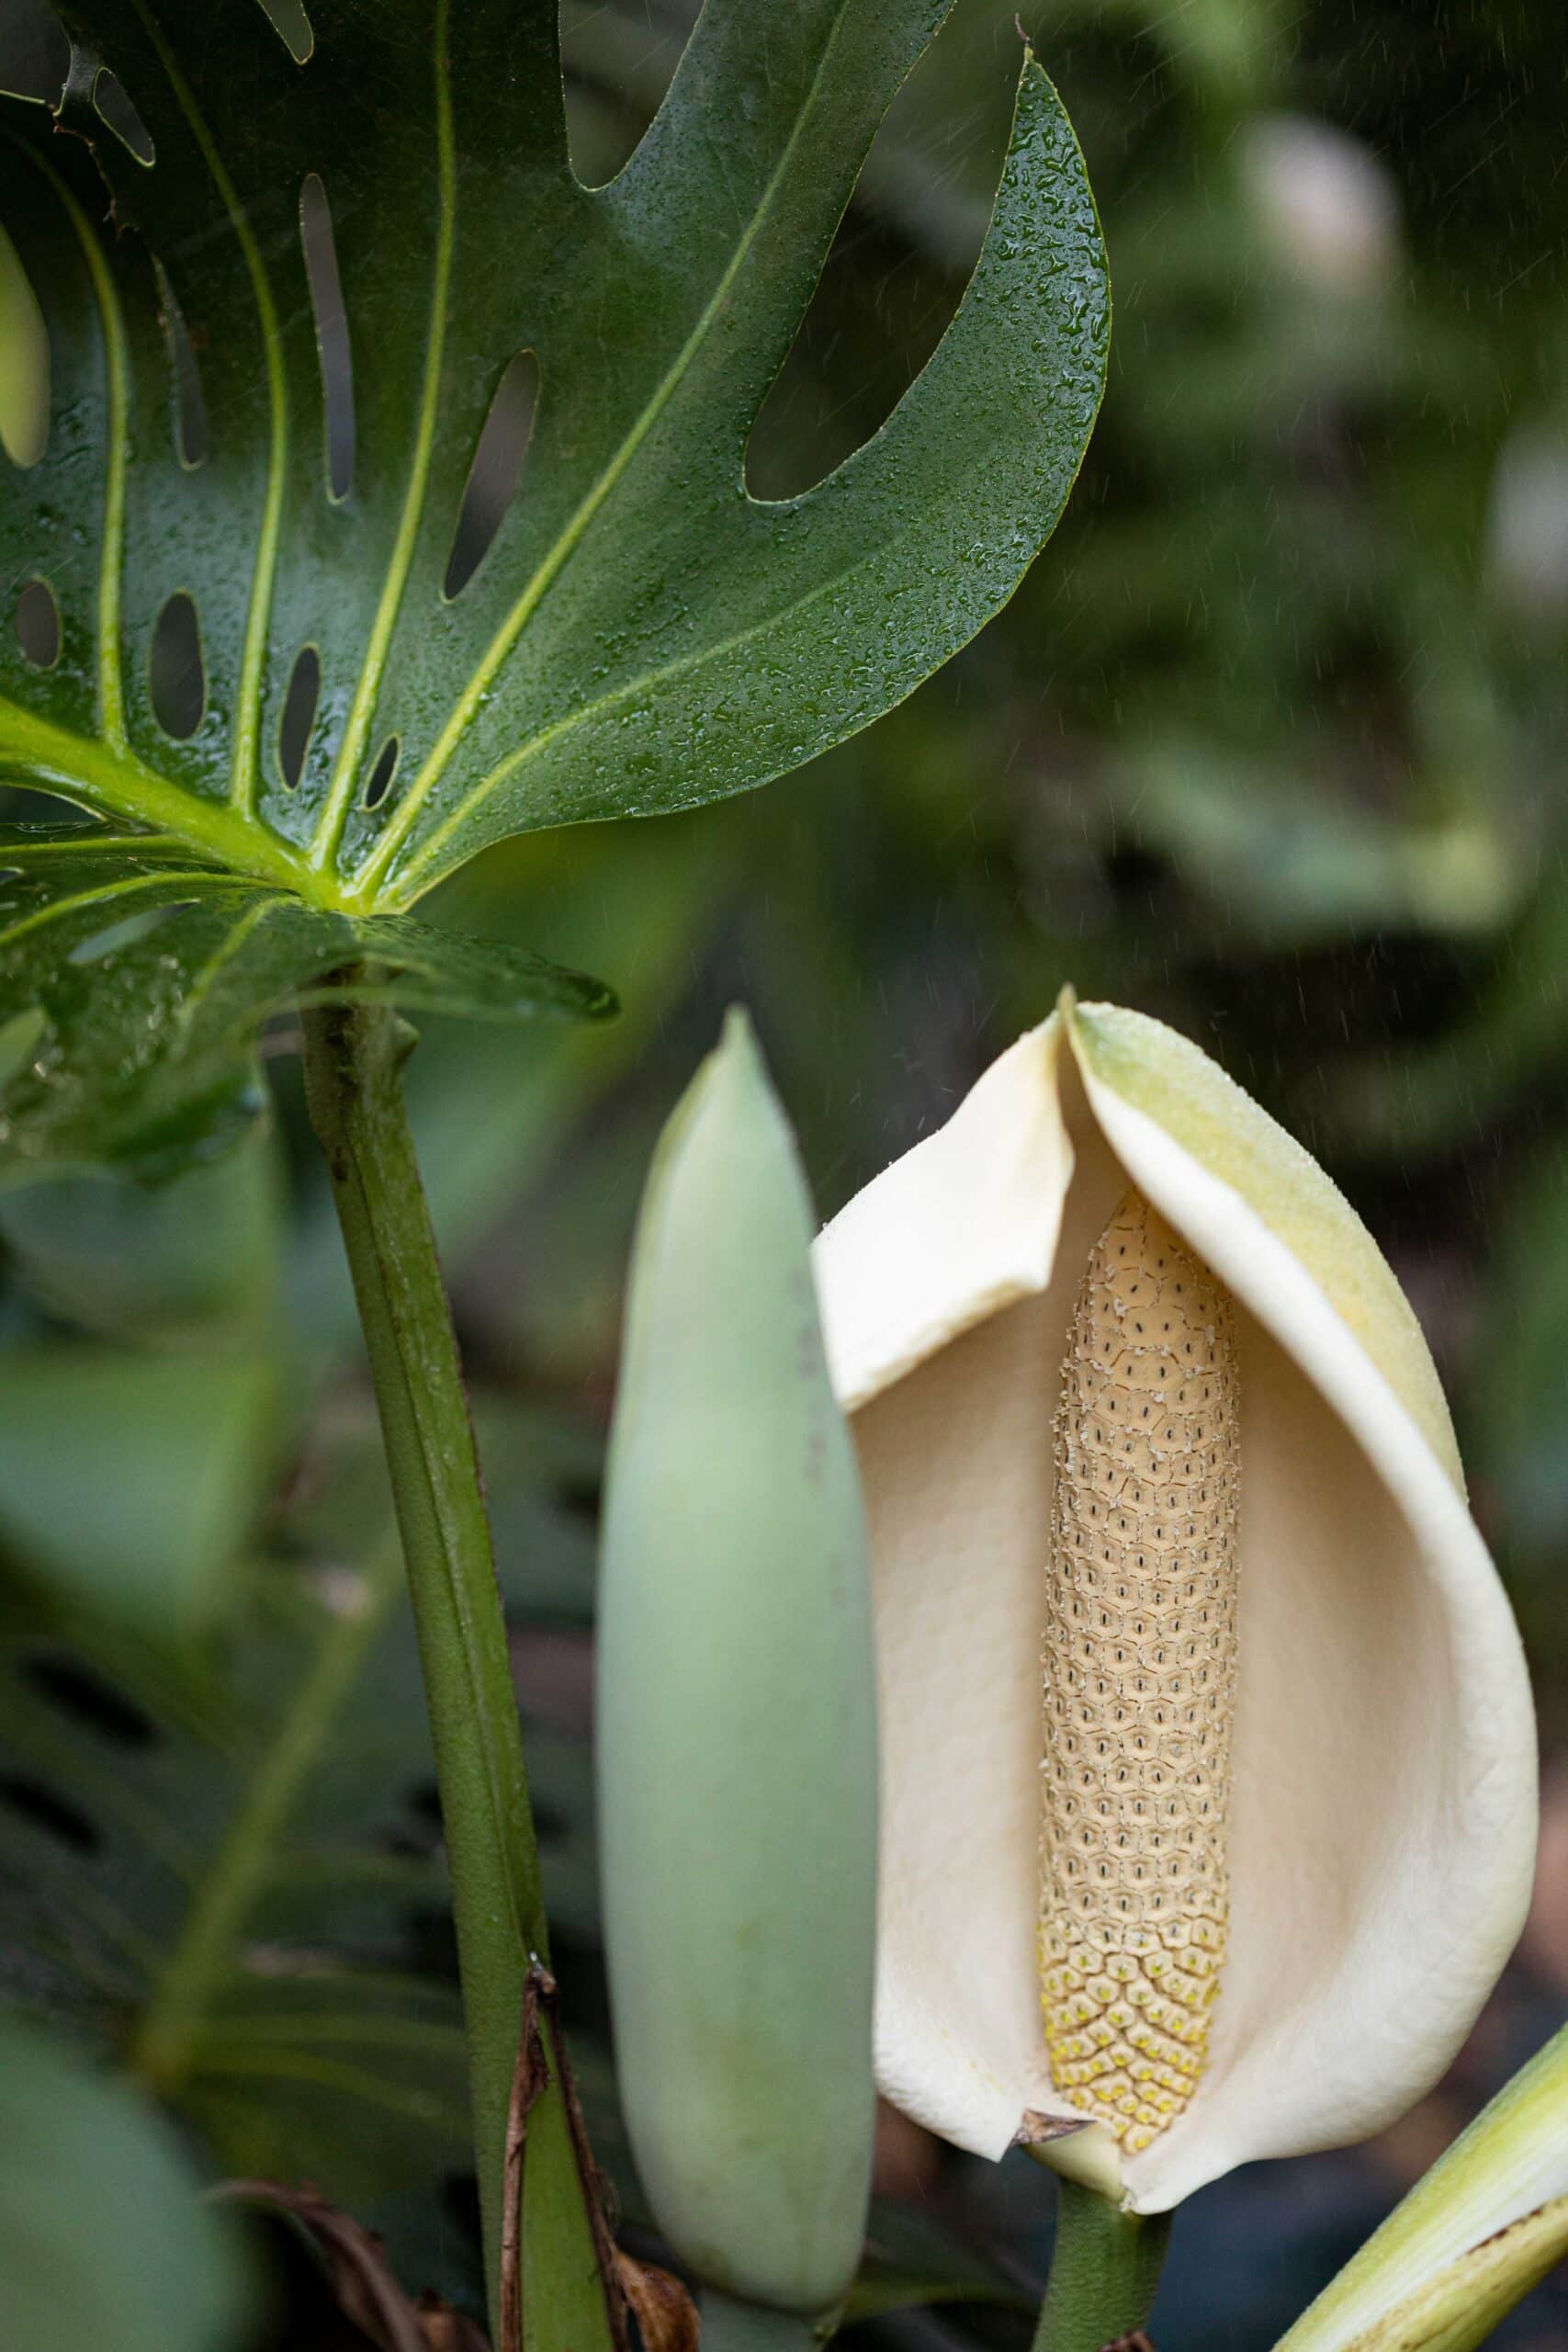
<point>134,975</point>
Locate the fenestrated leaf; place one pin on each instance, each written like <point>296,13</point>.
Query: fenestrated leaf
<point>227,1875</point>
<point>641,634</point>
<point>221,1879</point>
<point>134,975</point>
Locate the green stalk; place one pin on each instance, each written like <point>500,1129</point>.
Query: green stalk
<point>729,2325</point>
<point>354,1059</point>
<point>1104,2272</point>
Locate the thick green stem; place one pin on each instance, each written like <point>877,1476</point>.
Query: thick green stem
<point>732,2326</point>
<point>1104,2272</point>
<point>353,1059</point>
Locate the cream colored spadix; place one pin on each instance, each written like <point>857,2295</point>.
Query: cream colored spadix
<point>1367,1756</point>
<point>1140,1608</point>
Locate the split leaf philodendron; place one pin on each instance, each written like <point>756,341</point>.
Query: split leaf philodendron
<point>1134,1393</point>
<point>240,417</point>
<point>736,1724</point>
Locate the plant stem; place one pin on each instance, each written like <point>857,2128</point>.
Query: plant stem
<point>173,2023</point>
<point>354,1059</point>
<point>1104,2271</point>
<point>732,2326</point>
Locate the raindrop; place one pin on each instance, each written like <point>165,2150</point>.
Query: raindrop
<point>331,331</point>
<point>292,26</point>
<point>381,774</point>
<point>497,468</point>
<point>38,625</point>
<point>177,673</point>
<point>189,407</point>
<point>117,111</point>
<point>298,714</point>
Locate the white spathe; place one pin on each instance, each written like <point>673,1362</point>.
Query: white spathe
<point>1383,1803</point>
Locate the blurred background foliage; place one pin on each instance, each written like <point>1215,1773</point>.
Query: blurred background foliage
<point>1270,744</point>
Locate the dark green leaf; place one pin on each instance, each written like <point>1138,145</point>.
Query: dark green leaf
<point>641,634</point>
<point>178,1449</point>
<point>134,977</point>
<point>192,1262</point>
<point>102,2238</point>
<point>227,1872</point>
<point>221,1880</point>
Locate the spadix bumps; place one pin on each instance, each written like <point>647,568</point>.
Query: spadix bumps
<point>1298,1628</point>
<point>1140,1611</point>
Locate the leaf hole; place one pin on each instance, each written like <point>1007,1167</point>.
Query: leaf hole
<point>35,52</point>
<point>178,674</point>
<point>292,26</point>
<point>78,1692</point>
<point>188,404</point>
<point>331,331</point>
<point>298,714</point>
<point>126,933</point>
<point>383,772</point>
<point>893,278</point>
<point>117,111</point>
<point>19,1040</point>
<point>617,66</point>
<point>55,1815</point>
<point>496,471</point>
<point>38,625</point>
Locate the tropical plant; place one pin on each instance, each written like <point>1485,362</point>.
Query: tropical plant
<point>375,490</point>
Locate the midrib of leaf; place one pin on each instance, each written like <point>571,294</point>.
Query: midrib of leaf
<point>173,2023</point>
<point>470,701</point>
<point>119,780</point>
<point>346,774</point>
<point>246,768</point>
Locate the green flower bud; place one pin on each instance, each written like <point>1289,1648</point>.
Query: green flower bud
<point>737,1742</point>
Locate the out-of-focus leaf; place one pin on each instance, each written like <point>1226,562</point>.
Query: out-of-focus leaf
<point>134,977</point>
<point>220,1877</point>
<point>103,2238</point>
<point>192,1261</point>
<point>129,1485</point>
<point>226,1872</point>
<point>1510,1036</point>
